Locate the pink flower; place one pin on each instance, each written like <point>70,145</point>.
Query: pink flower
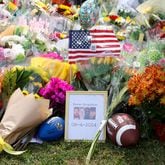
<point>161,62</point>
<point>55,91</point>
<point>52,55</point>
<point>128,47</point>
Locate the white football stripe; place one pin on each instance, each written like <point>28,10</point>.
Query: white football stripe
<point>121,131</point>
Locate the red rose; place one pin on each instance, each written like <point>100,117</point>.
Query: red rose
<point>113,17</point>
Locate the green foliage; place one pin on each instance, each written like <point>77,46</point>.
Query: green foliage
<point>125,13</point>
<point>40,45</point>
<point>19,58</point>
<point>27,44</point>
<point>13,79</point>
<point>97,76</point>
<point>152,54</point>
<point>78,84</point>
<point>147,152</point>
<point>23,78</point>
<point>18,31</point>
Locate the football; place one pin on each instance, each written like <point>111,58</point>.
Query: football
<point>123,130</point>
<point>52,129</point>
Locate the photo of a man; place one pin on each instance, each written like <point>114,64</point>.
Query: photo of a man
<point>90,113</point>
<point>78,113</point>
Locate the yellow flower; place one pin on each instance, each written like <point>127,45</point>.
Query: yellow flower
<point>12,6</point>
<point>121,35</point>
<point>38,84</point>
<point>128,20</point>
<point>62,35</point>
<point>106,19</point>
<point>37,96</point>
<point>25,92</point>
<point>120,20</point>
<point>31,78</point>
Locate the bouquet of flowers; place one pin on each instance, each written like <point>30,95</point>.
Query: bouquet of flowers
<point>147,90</point>
<point>97,72</point>
<point>55,91</point>
<point>22,116</point>
<point>20,77</point>
<point>104,73</point>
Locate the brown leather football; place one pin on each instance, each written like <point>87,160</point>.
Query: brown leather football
<point>123,130</point>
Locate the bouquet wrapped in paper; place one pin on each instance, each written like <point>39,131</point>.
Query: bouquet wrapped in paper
<point>23,114</point>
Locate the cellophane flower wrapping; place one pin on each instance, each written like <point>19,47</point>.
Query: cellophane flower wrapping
<point>54,68</point>
<point>97,71</point>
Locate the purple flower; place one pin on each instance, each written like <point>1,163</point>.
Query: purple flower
<point>55,91</point>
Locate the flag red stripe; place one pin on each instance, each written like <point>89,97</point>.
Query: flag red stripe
<point>103,36</point>
<point>101,31</point>
<point>104,41</point>
<point>93,52</point>
<point>84,56</point>
<point>80,56</point>
<point>87,52</point>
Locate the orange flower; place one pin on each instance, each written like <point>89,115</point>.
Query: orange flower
<point>147,86</point>
<point>133,101</point>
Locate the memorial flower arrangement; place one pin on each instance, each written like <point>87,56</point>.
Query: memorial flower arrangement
<point>114,79</point>
<point>147,91</point>
<point>55,91</point>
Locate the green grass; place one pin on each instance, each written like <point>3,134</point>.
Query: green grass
<point>146,152</point>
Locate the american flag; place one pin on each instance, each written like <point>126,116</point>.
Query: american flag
<point>84,44</point>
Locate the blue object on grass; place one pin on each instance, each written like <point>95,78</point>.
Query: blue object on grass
<point>52,129</point>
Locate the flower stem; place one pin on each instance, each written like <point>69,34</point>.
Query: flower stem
<point>113,104</point>
<point>93,145</point>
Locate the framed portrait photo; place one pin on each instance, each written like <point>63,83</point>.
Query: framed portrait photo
<point>85,110</point>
